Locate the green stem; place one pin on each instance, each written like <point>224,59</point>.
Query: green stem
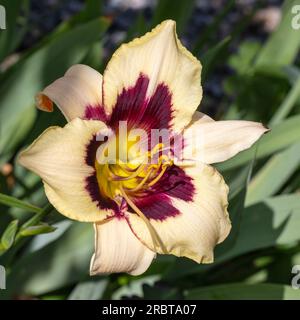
<point>34,220</point>
<point>21,241</point>
<point>14,202</point>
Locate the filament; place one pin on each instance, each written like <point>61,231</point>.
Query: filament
<point>154,236</point>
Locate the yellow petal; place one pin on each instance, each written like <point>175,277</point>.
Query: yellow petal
<point>58,156</point>
<point>80,87</point>
<point>217,141</point>
<point>200,225</point>
<point>117,249</point>
<point>161,57</point>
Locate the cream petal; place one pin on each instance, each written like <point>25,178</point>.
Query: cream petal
<point>217,141</point>
<point>58,156</point>
<point>80,87</point>
<point>117,249</point>
<point>201,118</point>
<point>200,225</point>
<point>161,57</point>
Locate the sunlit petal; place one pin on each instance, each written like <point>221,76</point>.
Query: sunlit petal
<point>200,224</point>
<point>117,249</point>
<point>58,156</point>
<point>79,88</point>
<point>212,142</point>
<point>161,59</point>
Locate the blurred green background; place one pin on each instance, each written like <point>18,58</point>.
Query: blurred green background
<point>251,70</point>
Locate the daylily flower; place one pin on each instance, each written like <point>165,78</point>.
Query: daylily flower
<point>139,210</point>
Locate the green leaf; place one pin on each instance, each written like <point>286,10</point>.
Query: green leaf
<point>267,223</point>
<point>89,290</point>
<point>212,27</point>
<point>283,46</point>
<point>242,61</point>
<point>9,234</point>
<point>159,292</point>
<point>292,73</point>
<point>274,174</point>
<point>135,287</point>
<point>236,181</point>
<point>16,23</point>
<point>38,229</point>
<point>94,57</point>
<point>138,28</point>
<point>2,249</point>
<point>236,210</point>
<point>14,202</point>
<point>281,136</point>
<point>274,221</point>
<point>210,58</point>
<point>254,90</point>
<point>93,9</point>
<point>41,241</point>
<point>55,265</point>
<point>240,291</point>
<point>17,111</point>
<point>177,10</point>
<point>287,104</point>
<point>37,217</point>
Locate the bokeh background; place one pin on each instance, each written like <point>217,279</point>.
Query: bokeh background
<point>250,56</point>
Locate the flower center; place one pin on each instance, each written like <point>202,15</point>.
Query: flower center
<point>124,180</point>
<point>135,176</point>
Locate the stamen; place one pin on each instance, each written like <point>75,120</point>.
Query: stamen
<point>135,178</point>
<point>140,169</point>
<point>157,148</point>
<point>155,237</point>
<point>128,169</point>
<point>164,168</point>
<point>111,175</point>
<point>141,184</point>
